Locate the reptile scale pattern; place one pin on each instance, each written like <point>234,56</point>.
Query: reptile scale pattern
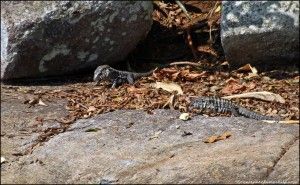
<point>221,105</point>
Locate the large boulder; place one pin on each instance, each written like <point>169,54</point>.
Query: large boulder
<point>259,32</point>
<point>47,38</point>
<point>130,146</point>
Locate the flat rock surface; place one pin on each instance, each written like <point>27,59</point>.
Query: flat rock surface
<point>132,146</point>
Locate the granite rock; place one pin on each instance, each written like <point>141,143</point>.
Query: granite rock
<point>260,32</point>
<point>51,38</point>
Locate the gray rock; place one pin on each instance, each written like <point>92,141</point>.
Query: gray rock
<point>260,32</point>
<point>47,38</point>
<point>153,150</point>
<point>285,163</point>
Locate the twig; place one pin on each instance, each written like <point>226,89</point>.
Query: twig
<point>80,104</point>
<point>160,7</point>
<point>284,121</point>
<point>211,11</point>
<point>183,9</point>
<point>210,22</point>
<point>210,37</point>
<point>185,63</point>
<point>83,106</point>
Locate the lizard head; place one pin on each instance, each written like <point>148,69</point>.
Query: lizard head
<point>101,73</point>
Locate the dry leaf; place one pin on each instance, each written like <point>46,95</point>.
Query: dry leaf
<point>184,72</point>
<point>184,116</point>
<point>263,95</point>
<point>31,100</point>
<point>207,49</point>
<point>170,87</point>
<point>170,102</point>
<point>225,135</point>
<point>132,89</point>
<point>194,76</point>
<point>225,63</point>
<point>175,75</point>
<point>253,70</point>
<point>86,116</point>
<point>211,139</point>
<point>214,138</point>
<point>251,86</point>
<point>296,79</point>
<point>68,108</point>
<point>67,121</point>
<point>42,103</point>
<point>56,91</point>
<point>25,90</point>
<point>248,68</point>
<point>168,70</point>
<point>218,9</point>
<point>232,80</point>
<point>251,75</point>
<point>233,86</point>
<point>91,109</point>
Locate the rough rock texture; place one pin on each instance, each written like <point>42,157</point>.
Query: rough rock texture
<point>287,161</point>
<point>260,31</point>
<point>136,147</point>
<point>46,38</point>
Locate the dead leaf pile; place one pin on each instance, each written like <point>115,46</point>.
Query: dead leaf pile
<point>174,74</point>
<point>271,97</point>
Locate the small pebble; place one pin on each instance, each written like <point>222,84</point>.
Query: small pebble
<point>3,160</point>
<point>184,116</point>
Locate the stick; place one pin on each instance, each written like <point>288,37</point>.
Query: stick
<point>185,63</point>
<point>183,9</point>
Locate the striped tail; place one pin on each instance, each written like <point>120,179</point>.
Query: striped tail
<point>253,115</point>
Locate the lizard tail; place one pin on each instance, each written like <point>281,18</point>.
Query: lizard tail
<point>253,115</point>
<point>138,75</point>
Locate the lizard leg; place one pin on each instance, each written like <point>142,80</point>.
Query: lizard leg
<point>235,112</point>
<point>114,84</point>
<point>130,79</point>
<point>117,82</point>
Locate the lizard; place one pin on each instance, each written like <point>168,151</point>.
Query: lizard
<point>221,105</point>
<point>117,77</point>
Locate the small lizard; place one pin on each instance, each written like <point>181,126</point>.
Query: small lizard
<point>224,106</point>
<point>117,77</point>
